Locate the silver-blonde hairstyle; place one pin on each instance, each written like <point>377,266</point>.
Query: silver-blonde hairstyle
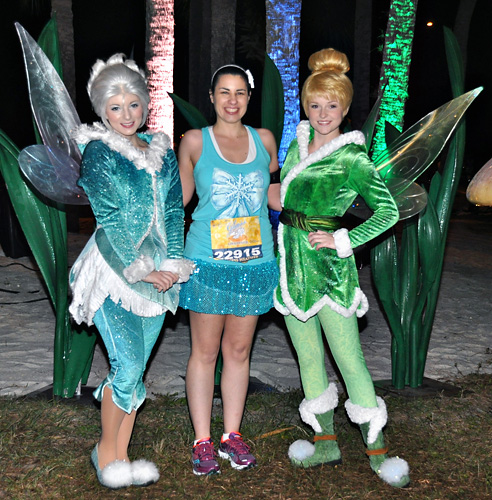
<point>116,76</point>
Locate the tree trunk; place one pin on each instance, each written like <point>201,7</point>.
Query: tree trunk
<point>160,62</point>
<point>64,17</point>
<point>395,69</point>
<point>282,37</point>
<point>362,62</point>
<point>462,25</point>
<point>212,40</point>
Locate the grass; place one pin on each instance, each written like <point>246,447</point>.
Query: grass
<point>45,448</point>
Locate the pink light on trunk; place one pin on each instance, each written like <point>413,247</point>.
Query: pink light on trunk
<point>160,64</point>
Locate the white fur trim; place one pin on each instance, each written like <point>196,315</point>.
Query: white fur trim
<point>326,401</point>
<point>393,470</point>
<point>139,268</point>
<point>359,306</point>
<point>278,306</point>
<point>149,160</point>
<point>182,267</point>
<point>144,472</point>
<point>301,449</point>
<point>93,281</point>
<point>117,474</point>
<point>342,243</point>
<point>376,417</point>
<point>355,137</point>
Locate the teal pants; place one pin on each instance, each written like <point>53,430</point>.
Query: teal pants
<point>129,340</point>
<point>343,339</point>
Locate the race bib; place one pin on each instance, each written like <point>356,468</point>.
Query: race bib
<point>238,239</point>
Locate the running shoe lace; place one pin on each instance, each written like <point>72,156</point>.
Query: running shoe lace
<point>240,447</point>
<point>205,451</point>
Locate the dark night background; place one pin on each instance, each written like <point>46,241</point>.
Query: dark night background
<point>103,27</point>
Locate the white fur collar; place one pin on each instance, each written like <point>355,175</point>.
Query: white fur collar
<point>303,129</point>
<point>149,160</point>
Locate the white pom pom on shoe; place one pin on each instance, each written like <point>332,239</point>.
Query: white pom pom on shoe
<point>116,475</point>
<point>301,449</point>
<point>144,473</point>
<point>395,472</point>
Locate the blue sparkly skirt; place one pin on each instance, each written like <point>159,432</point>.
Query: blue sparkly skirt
<point>240,289</point>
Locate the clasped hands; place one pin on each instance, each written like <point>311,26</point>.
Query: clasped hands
<point>161,280</point>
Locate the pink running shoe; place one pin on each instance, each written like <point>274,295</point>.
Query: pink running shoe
<point>203,458</point>
<point>237,451</point>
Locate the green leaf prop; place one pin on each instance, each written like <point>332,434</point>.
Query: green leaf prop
<point>410,296</point>
<point>44,225</point>
<point>192,115</point>
<point>272,100</point>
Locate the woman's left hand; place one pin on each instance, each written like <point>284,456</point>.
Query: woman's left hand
<point>321,239</point>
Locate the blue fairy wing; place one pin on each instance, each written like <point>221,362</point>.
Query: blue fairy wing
<point>53,173</point>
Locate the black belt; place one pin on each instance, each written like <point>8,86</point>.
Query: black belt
<point>309,222</point>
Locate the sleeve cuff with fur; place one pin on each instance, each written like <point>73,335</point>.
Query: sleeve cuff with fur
<point>182,267</point>
<point>138,269</point>
<point>342,243</point>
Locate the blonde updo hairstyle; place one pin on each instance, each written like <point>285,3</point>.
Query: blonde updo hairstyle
<point>328,79</point>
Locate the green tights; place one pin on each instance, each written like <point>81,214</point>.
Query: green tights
<point>342,335</point>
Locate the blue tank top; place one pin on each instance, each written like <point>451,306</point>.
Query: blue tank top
<point>230,223</point>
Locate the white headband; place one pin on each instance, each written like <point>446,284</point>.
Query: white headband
<point>246,71</point>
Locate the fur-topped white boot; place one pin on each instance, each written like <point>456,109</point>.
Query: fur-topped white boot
<point>318,413</point>
<point>394,471</point>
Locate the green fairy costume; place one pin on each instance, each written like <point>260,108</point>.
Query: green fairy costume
<point>319,291</point>
<point>322,186</point>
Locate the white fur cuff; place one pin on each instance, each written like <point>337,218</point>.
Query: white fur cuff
<point>138,269</point>
<point>376,417</point>
<point>342,243</point>
<point>182,267</point>
<point>326,401</point>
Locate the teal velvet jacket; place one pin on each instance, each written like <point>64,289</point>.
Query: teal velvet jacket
<point>325,183</point>
<point>137,201</point>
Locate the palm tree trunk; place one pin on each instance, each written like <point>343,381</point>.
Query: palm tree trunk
<point>64,17</point>
<point>395,69</point>
<point>212,40</point>
<point>462,25</point>
<point>362,62</point>
<point>160,63</point>
<point>282,36</point>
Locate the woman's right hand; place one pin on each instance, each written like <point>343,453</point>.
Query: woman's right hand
<point>162,280</point>
<point>321,239</point>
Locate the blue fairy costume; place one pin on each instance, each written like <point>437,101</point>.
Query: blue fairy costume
<point>136,198</point>
<point>230,238</point>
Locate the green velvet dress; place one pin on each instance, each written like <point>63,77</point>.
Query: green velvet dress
<point>325,183</point>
